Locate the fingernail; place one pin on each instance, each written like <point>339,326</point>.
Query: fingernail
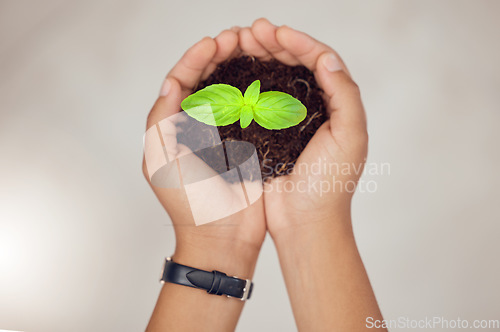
<point>274,25</point>
<point>331,63</point>
<point>165,88</point>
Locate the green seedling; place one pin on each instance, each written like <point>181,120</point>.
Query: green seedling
<point>223,104</point>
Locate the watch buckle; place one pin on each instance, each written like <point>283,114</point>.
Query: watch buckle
<point>246,290</point>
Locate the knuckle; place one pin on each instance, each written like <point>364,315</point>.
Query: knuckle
<point>349,87</point>
<point>354,88</point>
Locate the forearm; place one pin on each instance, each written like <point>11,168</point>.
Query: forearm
<point>327,284</point>
<point>181,308</point>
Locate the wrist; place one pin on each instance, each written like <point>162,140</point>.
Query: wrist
<point>231,257</point>
<point>293,225</point>
<point>310,232</point>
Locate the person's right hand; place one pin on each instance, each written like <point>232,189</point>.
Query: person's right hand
<point>232,243</point>
<point>339,147</point>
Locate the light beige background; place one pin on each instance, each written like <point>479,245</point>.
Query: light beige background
<point>82,236</point>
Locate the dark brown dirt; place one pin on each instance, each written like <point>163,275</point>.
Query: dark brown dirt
<point>277,150</point>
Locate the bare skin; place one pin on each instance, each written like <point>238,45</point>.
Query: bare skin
<point>327,284</point>
<point>230,245</point>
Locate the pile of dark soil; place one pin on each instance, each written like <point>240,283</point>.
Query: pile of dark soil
<point>277,150</point>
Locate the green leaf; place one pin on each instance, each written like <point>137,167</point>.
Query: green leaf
<point>246,116</point>
<point>222,104</point>
<point>252,93</point>
<point>278,110</point>
<point>216,105</point>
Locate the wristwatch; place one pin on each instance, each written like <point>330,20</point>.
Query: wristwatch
<point>215,282</point>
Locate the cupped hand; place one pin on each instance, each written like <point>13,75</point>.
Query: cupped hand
<point>326,173</point>
<point>237,237</point>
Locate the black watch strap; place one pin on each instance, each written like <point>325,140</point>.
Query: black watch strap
<point>215,282</point>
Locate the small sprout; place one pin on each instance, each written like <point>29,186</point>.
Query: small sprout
<point>223,104</point>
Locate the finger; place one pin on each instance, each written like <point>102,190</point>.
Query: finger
<point>265,34</point>
<point>250,45</point>
<point>168,103</point>
<point>347,114</point>
<point>235,28</point>
<point>305,48</point>
<point>226,42</point>
<point>237,52</point>
<point>226,45</point>
<point>191,66</point>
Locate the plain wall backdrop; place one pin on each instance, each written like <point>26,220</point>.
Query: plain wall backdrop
<point>82,236</point>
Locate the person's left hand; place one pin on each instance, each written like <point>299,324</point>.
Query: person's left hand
<point>341,140</point>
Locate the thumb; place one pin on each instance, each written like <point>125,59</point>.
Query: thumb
<point>347,114</point>
<point>168,103</point>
